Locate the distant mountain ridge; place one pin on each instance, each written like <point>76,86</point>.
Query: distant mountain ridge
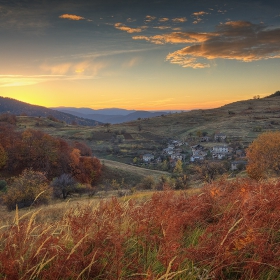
<point>111,115</point>
<point>89,111</point>
<point>16,107</point>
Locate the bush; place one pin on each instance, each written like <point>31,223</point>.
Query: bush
<point>148,183</point>
<point>3,157</point>
<point>29,188</point>
<point>63,186</point>
<point>264,156</point>
<point>3,185</point>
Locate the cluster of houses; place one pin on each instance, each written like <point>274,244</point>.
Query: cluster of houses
<point>221,151</point>
<point>218,152</point>
<point>173,151</point>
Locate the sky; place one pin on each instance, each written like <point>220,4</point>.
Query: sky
<point>139,54</point>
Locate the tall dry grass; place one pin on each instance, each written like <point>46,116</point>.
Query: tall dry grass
<point>230,230</point>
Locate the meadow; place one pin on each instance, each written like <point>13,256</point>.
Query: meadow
<point>225,230</point>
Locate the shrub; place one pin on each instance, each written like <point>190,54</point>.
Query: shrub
<point>264,155</point>
<point>3,185</point>
<point>63,186</point>
<point>147,183</point>
<point>29,188</point>
<point>3,157</point>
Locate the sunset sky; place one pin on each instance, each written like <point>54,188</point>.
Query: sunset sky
<point>139,54</point>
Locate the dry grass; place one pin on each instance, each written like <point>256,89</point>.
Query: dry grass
<point>230,230</point>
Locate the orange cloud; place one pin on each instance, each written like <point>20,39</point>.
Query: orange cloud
<point>201,13</point>
<point>150,18</point>
<point>81,68</point>
<point>237,40</point>
<point>163,27</point>
<point>176,38</point>
<point>71,17</point>
<point>163,19</point>
<point>180,19</point>
<point>123,27</point>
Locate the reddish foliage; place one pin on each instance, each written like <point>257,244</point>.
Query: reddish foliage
<point>42,152</point>
<point>239,237</point>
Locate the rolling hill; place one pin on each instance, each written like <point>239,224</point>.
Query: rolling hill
<point>15,107</point>
<point>241,121</point>
<point>112,115</point>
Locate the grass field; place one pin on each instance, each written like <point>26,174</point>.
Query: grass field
<point>227,230</point>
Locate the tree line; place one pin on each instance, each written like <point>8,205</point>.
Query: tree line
<point>24,152</point>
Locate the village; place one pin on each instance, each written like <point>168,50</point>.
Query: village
<point>198,150</point>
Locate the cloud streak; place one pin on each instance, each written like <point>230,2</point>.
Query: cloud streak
<point>127,29</point>
<point>71,17</point>
<point>179,19</point>
<point>22,80</point>
<point>82,68</point>
<point>236,40</point>
<point>176,38</point>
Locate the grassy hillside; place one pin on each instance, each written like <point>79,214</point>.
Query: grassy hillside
<point>229,230</point>
<point>242,120</point>
<point>129,174</point>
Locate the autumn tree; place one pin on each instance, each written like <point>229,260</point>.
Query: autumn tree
<point>147,183</point>
<point>88,170</point>
<point>29,188</point>
<point>181,182</point>
<point>264,155</point>
<point>208,171</point>
<point>64,186</point>
<point>178,169</point>
<point>85,150</point>
<point>3,157</point>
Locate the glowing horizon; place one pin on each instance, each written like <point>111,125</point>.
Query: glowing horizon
<point>154,56</point>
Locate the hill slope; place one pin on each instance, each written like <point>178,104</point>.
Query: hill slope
<point>13,106</point>
<point>113,116</point>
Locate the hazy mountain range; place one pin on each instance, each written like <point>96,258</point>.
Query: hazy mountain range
<point>81,116</point>
<point>16,107</point>
<point>111,115</point>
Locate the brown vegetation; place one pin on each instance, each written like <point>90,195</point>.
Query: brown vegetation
<point>228,231</point>
<point>264,156</point>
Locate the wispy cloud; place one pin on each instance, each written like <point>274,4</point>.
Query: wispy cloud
<point>162,27</point>
<point>86,67</point>
<point>163,19</point>
<point>71,17</point>
<point>123,27</point>
<point>237,40</point>
<point>198,16</point>
<point>179,19</point>
<point>23,80</point>
<point>150,18</point>
<point>222,11</point>
<point>176,38</point>
<point>201,13</point>
<point>131,20</point>
<point>130,63</point>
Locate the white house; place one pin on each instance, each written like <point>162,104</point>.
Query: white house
<point>220,149</point>
<point>148,157</point>
<point>177,156</point>
<point>168,151</point>
<point>198,155</point>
